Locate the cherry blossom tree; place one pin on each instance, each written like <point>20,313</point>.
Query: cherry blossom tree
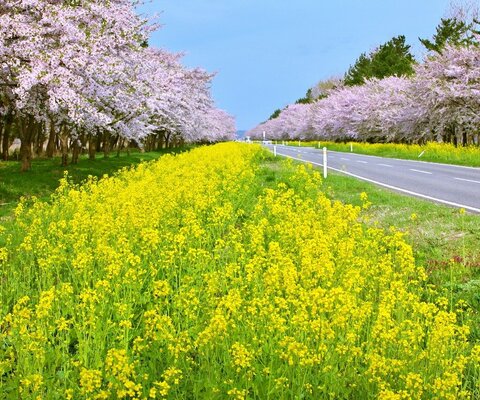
<point>448,85</point>
<point>81,72</point>
<point>62,61</point>
<point>382,110</point>
<point>216,125</point>
<point>292,123</point>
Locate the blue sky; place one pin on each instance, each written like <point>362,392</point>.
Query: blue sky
<point>267,53</point>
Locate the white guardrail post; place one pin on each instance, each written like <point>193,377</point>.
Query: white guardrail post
<point>324,162</point>
<point>275,150</point>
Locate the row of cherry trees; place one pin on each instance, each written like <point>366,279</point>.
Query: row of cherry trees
<point>80,74</point>
<point>441,101</point>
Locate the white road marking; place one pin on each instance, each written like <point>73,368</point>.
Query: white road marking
<point>422,172</point>
<point>467,180</point>
<point>423,196</point>
<point>345,159</point>
<point>362,162</point>
<point>386,165</point>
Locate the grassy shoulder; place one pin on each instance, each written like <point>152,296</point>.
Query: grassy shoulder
<point>45,174</point>
<point>434,152</point>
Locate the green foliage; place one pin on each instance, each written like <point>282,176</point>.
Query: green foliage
<point>303,100</point>
<point>359,71</point>
<point>451,31</point>
<point>307,99</point>
<point>391,58</point>
<point>275,114</point>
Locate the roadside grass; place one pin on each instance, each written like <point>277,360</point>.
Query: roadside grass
<point>44,176</point>
<point>435,152</point>
<point>437,232</point>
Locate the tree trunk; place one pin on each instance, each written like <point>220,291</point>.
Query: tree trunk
<point>106,144</point>
<point>27,127</point>
<point>1,134</point>
<point>51,139</point>
<point>5,140</point>
<point>6,137</point>
<point>26,154</point>
<point>99,139</point>
<point>120,145</point>
<point>40,139</point>
<point>114,142</point>
<point>161,141</point>
<point>167,140</point>
<point>83,142</point>
<point>459,136</point>
<point>92,145</point>
<point>148,143</point>
<point>64,145</point>
<point>75,150</point>
<point>159,144</point>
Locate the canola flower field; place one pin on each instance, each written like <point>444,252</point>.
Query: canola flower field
<point>432,151</point>
<point>194,277</point>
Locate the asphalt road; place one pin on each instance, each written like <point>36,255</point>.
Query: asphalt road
<point>448,184</point>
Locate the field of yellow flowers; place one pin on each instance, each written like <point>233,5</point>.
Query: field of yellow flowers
<point>194,277</point>
<point>432,151</point>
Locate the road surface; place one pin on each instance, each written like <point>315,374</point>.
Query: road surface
<point>453,185</point>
